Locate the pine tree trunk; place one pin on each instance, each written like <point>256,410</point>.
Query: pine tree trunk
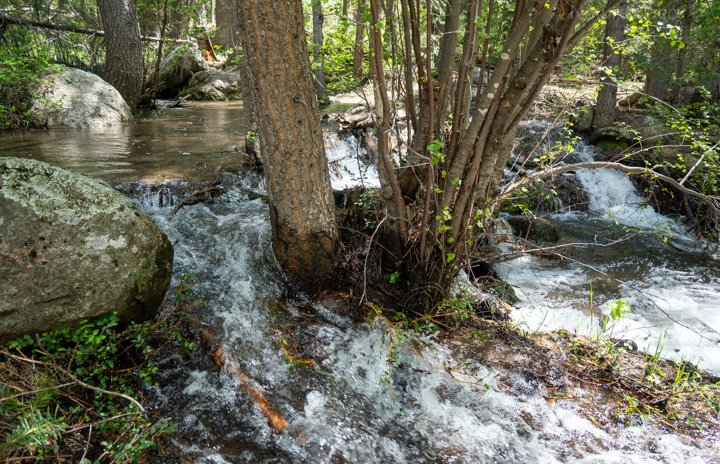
<point>300,198</point>
<point>607,97</point>
<point>358,52</point>
<point>318,61</point>
<point>123,49</point>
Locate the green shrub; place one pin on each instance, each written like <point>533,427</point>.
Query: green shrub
<point>72,392</point>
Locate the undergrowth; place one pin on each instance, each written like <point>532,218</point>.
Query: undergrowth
<point>75,394</point>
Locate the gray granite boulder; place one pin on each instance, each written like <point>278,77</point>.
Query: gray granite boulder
<point>177,68</point>
<point>215,85</point>
<point>73,248</point>
<point>74,98</point>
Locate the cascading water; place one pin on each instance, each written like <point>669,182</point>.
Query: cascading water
<point>673,295</point>
<point>353,405</point>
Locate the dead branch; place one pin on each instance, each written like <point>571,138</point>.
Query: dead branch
<point>80,30</point>
<point>198,196</point>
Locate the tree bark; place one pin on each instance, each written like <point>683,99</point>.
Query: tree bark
<point>660,73</point>
<point>607,97</point>
<point>358,52</point>
<point>301,202</point>
<point>123,49</point>
<point>318,56</point>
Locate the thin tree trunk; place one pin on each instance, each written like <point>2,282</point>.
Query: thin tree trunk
<point>300,198</point>
<point>123,49</point>
<point>358,52</point>
<point>397,232</point>
<point>318,55</point>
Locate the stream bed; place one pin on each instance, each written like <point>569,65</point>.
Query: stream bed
<point>354,405</point>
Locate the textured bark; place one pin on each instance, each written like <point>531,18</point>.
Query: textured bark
<point>301,202</point>
<point>607,97</point>
<point>358,52</point>
<point>227,34</point>
<point>660,73</point>
<point>123,49</point>
<point>318,57</point>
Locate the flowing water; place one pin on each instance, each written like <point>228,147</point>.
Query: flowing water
<point>356,406</point>
<point>673,295</point>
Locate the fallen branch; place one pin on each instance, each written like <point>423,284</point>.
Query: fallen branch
<point>198,196</point>
<point>556,170</point>
<point>247,385</point>
<point>80,30</point>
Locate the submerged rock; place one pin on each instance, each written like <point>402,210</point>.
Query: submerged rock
<point>73,248</point>
<point>75,98</point>
<point>215,85</point>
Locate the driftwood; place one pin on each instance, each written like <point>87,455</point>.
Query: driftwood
<point>199,196</point>
<point>80,30</point>
<point>630,100</point>
<point>247,385</point>
<point>356,118</point>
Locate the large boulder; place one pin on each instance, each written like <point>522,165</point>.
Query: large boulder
<point>215,85</point>
<point>178,67</point>
<point>74,98</point>
<point>73,248</point>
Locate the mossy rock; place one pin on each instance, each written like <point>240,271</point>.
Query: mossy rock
<point>73,248</point>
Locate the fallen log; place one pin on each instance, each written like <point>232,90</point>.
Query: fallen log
<point>246,384</point>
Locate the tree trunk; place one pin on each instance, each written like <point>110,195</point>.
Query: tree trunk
<point>300,198</point>
<point>123,49</point>
<point>358,53</point>
<point>227,34</point>
<point>607,97</point>
<point>660,73</point>
<point>318,55</point>
<point>682,53</point>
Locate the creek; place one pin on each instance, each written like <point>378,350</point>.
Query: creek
<point>354,405</point>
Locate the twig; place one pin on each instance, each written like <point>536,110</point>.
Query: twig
<point>76,380</point>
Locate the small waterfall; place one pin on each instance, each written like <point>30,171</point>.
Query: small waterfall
<point>672,294</point>
<point>349,162</point>
<point>614,196</point>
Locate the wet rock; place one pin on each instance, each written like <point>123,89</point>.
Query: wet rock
<point>570,192</point>
<point>178,67</point>
<point>215,85</point>
<point>73,248</point>
<point>613,136</point>
<point>534,228</point>
<point>76,98</point>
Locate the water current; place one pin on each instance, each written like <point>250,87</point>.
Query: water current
<point>353,405</point>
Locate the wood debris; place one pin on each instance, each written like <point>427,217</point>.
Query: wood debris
<point>246,384</point>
